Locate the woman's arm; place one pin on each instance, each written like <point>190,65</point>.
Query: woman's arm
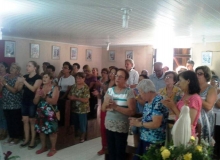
<point>34,87</point>
<point>217,104</point>
<point>210,100</point>
<point>171,105</point>
<point>37,96</point>
<point>14,89</point>
<point>55,96</point>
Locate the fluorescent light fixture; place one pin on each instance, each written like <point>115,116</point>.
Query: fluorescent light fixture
<point>108,44</point>
<point>125,16</point>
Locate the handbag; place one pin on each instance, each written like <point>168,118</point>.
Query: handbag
<point>57,113</point>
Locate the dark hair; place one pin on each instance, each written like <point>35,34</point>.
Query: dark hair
<point>69,65</point>
<point>193,81</point>
<point>46,63</point>
<point>125,71</point>
<point>6,66</point>
<point>47,73</point>
<point>77,65</point>
<point>105,70</point>
<point>207,72</point>
<point>190,62</point>
<point>80,74</point>
<point>51,67</point>
<point>175,76</point>
<point>158,63</point>
<point>35,65</point>
<point>145,76</point>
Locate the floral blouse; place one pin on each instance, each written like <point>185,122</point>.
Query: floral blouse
<point>77,106</point>
<point>177,93</point>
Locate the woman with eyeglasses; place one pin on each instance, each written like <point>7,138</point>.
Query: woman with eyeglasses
<point>119,102</point>
<point>108,84</point>
<point>209,97</point>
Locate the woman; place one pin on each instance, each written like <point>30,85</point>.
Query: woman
<point>91,82</point>
<point>3,123</point>
<point>12,98</point>
<point>189,84</point>
<point>153,122</point>
<point>31,82</point>
<point>95,73</point>
<point>209,97</point>
<point>144,72</point>
<point>171,91</point>
<point>46,99</point>
<point>79,95</point>
<point>108,84</point>
<point>119,103</point>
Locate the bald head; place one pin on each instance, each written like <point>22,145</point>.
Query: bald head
<point>158,69</point>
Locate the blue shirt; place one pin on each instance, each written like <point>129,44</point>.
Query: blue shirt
<point>156,108</point>
<point>158,82</point>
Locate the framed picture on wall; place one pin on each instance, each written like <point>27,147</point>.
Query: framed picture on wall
<point>129,54</point>
<point>88,55</point>
<point>35,50</point>
<point>207,58</point>
<point>111,55</point>
<point>9,49</point>
<point>55,52</point>
<point>73,53</point>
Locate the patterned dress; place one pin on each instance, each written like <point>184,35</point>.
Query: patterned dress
<point>46,121</point>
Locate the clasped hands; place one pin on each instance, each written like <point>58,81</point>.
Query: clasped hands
<point>168,103</point>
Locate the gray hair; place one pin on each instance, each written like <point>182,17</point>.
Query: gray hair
<point>146,85</point>
<point>131,61</point>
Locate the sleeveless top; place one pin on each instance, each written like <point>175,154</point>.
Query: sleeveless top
<point>207,119</point>
<point>116,121</point>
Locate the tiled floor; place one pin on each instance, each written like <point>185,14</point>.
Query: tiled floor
<point>83,151</point>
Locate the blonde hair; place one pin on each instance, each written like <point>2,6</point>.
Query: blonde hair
<point>86,67</point>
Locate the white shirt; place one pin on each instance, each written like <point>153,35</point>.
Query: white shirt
<point>64,83</point>
<point>133,77</point>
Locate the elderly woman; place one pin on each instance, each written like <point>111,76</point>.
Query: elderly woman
<point>12,98</point>
<point>79,95</point>
<point>153,122</point>
<point>119,103</point>
<point>171,91</point>
<point>133,74</point>
<point>189,84</point>
<point>46,99</point>
<point>209,97</point>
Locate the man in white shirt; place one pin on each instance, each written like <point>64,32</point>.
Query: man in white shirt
<point>133,74</point>
<point>158,76</point>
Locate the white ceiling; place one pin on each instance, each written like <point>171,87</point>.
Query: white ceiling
<point>95,22</point>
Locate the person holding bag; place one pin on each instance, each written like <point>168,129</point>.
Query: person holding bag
<point>46,99</point>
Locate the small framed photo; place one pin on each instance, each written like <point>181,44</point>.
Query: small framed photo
<point>55,52</point>
<point>111,55</point>
<point>88,55</point>
<point>9,49</point>
<point>73,53</point>
<point>207,58</point>
<point>35,50</point>
<point>129,54</point>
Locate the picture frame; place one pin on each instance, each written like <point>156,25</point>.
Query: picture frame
<point>88,55</point>
<point>73,53</point>
<point>111,55</point>
<point>129,54</point>
<point>35,50</point>
<point>9,50</point>
<point>207,58</point>
<point>55,52</point>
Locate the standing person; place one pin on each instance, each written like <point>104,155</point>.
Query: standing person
<point>133,74</point>
<point>119,102</point>
<point>190,64</point>
<point>51,69</point>
<point>76,68</point>
<point>158,76</point>
<point>95,73</point>
<point>46,99</point>
<point>209,97</point>
<point>79,95</point>
<point>12,98</point>
<point>3,123</point>
<point>44,67</point>
<point>91,82</point>
<point>31,82</point>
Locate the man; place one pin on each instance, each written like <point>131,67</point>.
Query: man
<point>158,76</point>
<point>76,68</point>
<point>133,74</point>
<point>165,68</point>
<point>190,65</point>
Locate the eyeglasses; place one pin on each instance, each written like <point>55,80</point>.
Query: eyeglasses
<point>200,74</point>
<point>112,73</point>
<point>157,71</point>
<point>119,77</point>
<point>103,73</point>
<point>168,77</point>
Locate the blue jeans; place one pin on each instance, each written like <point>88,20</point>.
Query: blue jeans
<point>79,121</point>
<point>3,124</point>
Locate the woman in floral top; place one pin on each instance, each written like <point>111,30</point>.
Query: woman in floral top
<point>79,95</point>
<point>46,99</point>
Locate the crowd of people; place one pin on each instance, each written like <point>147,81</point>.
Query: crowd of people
<point>30,103</point>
